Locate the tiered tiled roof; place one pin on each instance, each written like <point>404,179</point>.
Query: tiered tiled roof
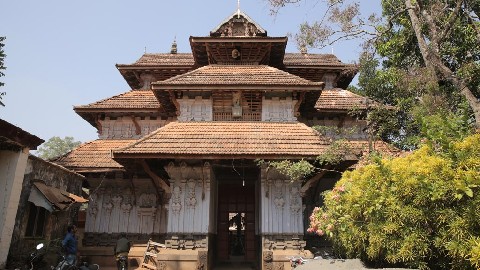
<point>136,99</point>
<point>340,99</point>
<point>186,59</point>
<point>228,139</point>
<point>213,140</point>
<point>300,59</point>
<point>221,75</point>
<point>164,59</point>
<point>93,156</point>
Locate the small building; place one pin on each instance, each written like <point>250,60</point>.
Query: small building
<point>49,202</point>
<point>177,159</point>
<point>39,199</point>
<point>15,144</point>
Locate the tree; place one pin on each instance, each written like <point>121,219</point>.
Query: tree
<point>2,67</point>
<point>56,147</point>
<point>437,39</point>
<point>419,211</point>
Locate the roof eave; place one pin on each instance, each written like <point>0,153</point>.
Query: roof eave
<point>239,39</point>
<point>119,156</point>
<point>80,110</point>
<point>283,87</point>
<point>152,66</point>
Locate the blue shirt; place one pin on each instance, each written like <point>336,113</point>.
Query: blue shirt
<point>70,243</point>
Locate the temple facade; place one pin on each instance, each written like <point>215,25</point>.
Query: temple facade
<point>178,155</point>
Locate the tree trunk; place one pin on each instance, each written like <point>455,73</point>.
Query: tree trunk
<point>433,61</point>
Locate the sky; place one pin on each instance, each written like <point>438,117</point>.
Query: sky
<point>63,53</point>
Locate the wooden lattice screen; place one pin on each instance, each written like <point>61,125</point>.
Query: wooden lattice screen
<point>251,103</point>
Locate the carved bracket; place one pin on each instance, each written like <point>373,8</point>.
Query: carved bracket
<point>138,130</point>
<point>99,125</point>
<point>175,102</point>
<point>297,105</point>
<point>311,182</point>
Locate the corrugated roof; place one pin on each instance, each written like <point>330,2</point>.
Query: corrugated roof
<point>135,99</point>
<point>234,75</point>
<point>60,199</point>
<point>95,155</point>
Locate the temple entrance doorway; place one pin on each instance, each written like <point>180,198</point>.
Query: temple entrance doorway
<point>237,240</point>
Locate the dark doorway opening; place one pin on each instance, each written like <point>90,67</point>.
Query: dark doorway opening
<point>236,217</point>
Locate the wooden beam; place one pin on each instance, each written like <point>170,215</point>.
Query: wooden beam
<point>311,182</point>
<point>175,102</point>
<point>296,113</point>
<point>99,125</point>
<point>157,180</point>
<point>138,130</point>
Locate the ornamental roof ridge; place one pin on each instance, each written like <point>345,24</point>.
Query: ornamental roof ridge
<point>239,13</point>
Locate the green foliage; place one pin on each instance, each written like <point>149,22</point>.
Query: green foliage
<point>336,152</point>
<point>56,146</point>
<point>420,211</point>
<point>2,67</point>
<point>295,170</point>
<point>441,129</point>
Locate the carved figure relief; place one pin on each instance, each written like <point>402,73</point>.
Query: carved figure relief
<point>108,207</point>
<point>278,200</point>
<point>295,203</point>
<point>124,128</point>
<point>176,200</point>
<point>116,200</point>
<point>184,170</point>
<point>197,109</point>
<point>238,26</point>
<point>147,200</point>
<point>191,200</point>
<point>126,208</point>
<point>278,110</point>
<point>93,209</point>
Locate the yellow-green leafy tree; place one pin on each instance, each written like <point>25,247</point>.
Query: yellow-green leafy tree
<point>421,210</point>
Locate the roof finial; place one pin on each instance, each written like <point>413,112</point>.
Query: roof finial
<point>173,50</point>
<point>145,50</point>
<point>238,8</point>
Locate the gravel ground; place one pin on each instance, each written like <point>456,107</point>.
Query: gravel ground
<point>335,264</point>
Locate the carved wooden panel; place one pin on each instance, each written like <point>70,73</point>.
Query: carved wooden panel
<point>281,204</point>
<point>279,110</point>
<point>197,109</point>
<point>126,128</point>
<point>189,206</point>
<point>117,207</point>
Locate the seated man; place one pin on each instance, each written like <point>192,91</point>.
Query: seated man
<point>121,249</point>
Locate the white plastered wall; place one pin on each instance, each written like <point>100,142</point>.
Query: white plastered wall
<point>12,171</point>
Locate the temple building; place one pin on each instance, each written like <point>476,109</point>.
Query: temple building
<point>178,156</point>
